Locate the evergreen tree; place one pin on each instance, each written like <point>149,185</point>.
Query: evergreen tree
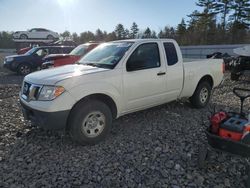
<point>65,34</point>
<point>120,31</point>
<point>181,32</point>
<point>147,33</point>
<point>111,36</point>
<point>75,38</point>
<point>86,37</point>
<point>241,9</point>
<point>153,35</point>
<point>99,35</point>
<point>223,7</point>
<point>134,30</point>
<point>126,34</point>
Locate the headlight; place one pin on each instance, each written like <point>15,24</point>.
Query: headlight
<point>8,59</point>
<point>50,92</point>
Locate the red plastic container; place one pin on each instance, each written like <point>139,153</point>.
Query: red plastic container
<point>230,134</point>
<point>216,120</point>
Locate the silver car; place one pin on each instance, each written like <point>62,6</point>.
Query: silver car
<point>36,33</point>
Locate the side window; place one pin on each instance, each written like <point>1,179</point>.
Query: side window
<point>145,56</point>
<point>54,51</point>
<point>171,53</point>
<point>42,52</point>
<point>66,50</point>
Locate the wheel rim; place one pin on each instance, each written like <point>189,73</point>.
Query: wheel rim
<point>93,124</point>
<point>50,37</point>
<point>203,95</point>
<point>23,37</point>
<point>24,69</point>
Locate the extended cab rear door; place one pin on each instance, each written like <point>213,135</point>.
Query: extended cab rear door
<point>174,66</point>
<point>144,76</point>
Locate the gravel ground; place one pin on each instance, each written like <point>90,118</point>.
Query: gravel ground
<point>153,148</point>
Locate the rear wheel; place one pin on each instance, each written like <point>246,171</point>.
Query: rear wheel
<point>24,69</point>
<point>201,95</point>
<point>50,37</point>
<point>23,36</point>
<point>90,122</point>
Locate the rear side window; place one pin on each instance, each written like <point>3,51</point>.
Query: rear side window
<point>54,51</point>
<point>171,53</point>
<point>66,50</point>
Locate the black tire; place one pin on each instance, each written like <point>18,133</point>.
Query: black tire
<point>234,77</point>
<point>202,94</point>
<point>24,69</point>
<point>50,37</point>
<point>80,126</point>
<point>23,36</point>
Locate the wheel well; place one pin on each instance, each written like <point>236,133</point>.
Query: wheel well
<point>101,97</point>
<point>207,78</point>
<point>23,35</point>
<point>104,98</point>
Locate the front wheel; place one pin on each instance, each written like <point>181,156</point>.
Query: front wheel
<point>201,95</point>
<point>24,69</point>
<point>90,122</point>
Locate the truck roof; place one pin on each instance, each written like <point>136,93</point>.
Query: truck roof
<point>148,39</point>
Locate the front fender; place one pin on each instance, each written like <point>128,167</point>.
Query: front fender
<point>87,89</point>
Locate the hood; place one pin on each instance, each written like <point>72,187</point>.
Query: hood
<point>18,56</point>
<point>56,56</point>
<point>54,75</point>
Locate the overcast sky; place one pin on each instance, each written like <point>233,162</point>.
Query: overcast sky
<point>82,15</point>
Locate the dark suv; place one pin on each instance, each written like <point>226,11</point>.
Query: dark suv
<point>31,60</point>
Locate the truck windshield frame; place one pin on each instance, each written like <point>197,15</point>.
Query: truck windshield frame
<point>106,55</point>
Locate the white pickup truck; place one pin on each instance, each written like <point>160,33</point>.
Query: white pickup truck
<point>114,79</point>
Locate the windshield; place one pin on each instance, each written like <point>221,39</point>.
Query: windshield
<point>31,51</point>
<point>79,50</point>
<point>106,55</point>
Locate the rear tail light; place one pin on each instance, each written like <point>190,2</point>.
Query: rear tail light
<point>223,68</point>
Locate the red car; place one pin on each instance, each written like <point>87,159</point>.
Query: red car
<point>55,60</point>
<point>56,43</point>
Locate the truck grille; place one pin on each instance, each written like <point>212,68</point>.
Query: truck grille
<point>30,91</point>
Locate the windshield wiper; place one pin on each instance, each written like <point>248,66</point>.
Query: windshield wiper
<point>92,64</point>
<point>97,65</point>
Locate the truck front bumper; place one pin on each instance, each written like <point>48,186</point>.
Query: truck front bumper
<point>46,120</point>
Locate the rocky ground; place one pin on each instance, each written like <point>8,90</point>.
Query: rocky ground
<point>153,148</point>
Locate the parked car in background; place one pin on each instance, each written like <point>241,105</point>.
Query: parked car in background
<point>55,60</point>
<point>114,79</point>
<point>56,43</point>
<point>36,33</point>
<point>31,60</point>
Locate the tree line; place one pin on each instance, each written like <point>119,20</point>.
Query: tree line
<point>218,22</point>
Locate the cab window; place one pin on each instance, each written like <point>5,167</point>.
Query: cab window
<point>145,56</point>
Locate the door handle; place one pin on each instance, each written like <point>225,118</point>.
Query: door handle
<point>161,73</point>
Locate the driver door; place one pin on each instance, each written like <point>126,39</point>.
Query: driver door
<point>39,55</point>
<point>144,78</point>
